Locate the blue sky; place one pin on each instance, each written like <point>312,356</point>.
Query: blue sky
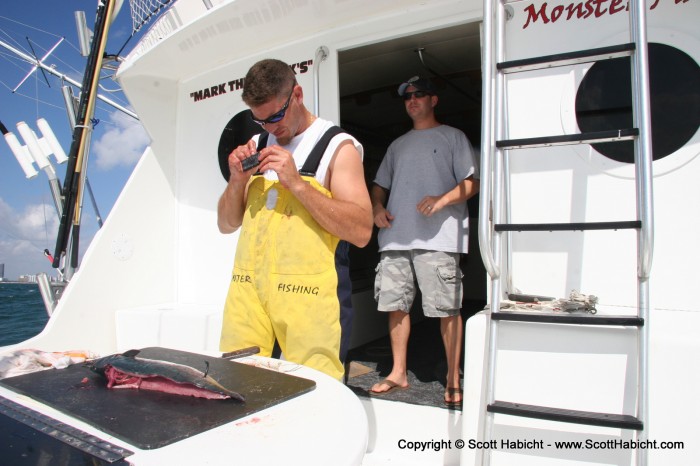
<point>28,219</point>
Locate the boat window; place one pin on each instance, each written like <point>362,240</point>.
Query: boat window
<point>237,132</point>
<point>604,101</point>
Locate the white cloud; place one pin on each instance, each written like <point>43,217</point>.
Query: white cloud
<point>34,224</point>
<point>120,145</point>
<point>24,236</point>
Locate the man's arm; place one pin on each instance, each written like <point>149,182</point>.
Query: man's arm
<point>231,205</point>
<point>348,214</point>
<point>382,217</point>
<point>231,208</point>
<point>460,193</point>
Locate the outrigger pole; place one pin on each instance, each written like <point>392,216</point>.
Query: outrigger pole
<point>73,185</point>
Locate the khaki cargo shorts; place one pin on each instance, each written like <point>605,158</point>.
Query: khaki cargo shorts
<point>437,273</point>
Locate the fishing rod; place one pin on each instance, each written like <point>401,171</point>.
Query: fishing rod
<point>74,180</point>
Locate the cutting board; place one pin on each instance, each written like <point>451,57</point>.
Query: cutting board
<point>149,419</point>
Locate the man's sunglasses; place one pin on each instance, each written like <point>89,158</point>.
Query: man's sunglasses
<point>275,117</point>
<point>418,94</point>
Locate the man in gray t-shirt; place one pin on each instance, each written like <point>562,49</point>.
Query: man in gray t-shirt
<point>430,172</point>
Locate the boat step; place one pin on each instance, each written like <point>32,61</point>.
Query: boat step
<point>574,226</point>
<point>592,137</point>
<point>620,421</point>
<point>567,318</point>
<point>567,59</point>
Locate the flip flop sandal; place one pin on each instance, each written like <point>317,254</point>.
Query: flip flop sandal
<point>392,386</point>
<point>451,392</point>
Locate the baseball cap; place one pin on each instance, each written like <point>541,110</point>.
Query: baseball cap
<point>419,83</point>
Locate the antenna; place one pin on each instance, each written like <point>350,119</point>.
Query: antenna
<point>38,63</point>
<point>51,70</point>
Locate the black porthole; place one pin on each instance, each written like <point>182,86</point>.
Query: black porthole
<point>604,101</point>
<point>237,132</point>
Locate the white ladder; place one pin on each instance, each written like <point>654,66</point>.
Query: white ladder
<point>494,190</point>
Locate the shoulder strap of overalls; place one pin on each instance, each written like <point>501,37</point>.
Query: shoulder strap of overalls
<point>314,159</point>
<point>262,143</point>
<point>262,140</point>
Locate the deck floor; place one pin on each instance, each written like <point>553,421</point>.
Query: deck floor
<point>427,367</point>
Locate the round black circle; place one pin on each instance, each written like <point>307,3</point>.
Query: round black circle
<point>604,101</point>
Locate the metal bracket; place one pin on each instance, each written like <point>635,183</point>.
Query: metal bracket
<point>321,55</point>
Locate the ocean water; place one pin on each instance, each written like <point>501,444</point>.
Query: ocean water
<point>22,312</point>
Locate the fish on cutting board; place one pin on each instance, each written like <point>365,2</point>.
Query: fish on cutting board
<point>129,371</point>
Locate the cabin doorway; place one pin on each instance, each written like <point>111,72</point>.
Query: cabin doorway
<point>371,110</point>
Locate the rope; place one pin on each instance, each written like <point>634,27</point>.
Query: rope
<point>33,98</point>
<point>28,26</point>
<point>577,302</point>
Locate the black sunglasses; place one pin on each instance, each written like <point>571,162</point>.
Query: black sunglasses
<point>275,117</point>
<point>418,94</point>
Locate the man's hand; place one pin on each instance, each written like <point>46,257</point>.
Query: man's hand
<point>238,175</point>
<point>281,162</point>
<point>382,217</point>
<point>430,204</point>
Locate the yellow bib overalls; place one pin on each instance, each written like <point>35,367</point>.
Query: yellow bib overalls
<point>284,282</point>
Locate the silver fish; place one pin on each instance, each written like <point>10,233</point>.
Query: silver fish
<point>127,371</point>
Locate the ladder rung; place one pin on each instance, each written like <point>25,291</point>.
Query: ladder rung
<point>626,225</point>
<point>593,137</point>
<point>567,59</point>
<point>567,318</point>
<point>620,421</point>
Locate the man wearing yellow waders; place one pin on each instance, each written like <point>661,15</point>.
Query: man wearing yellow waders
<point>292,211</point>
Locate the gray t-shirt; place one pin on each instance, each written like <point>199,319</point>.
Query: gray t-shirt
<point>427,162</point>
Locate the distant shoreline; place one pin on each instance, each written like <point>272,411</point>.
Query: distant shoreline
<point>10,282</point>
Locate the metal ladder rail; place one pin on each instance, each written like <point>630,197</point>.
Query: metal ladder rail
<point>489,240</point>
<point>644,185</point>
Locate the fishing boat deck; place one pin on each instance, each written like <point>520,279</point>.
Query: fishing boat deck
<point>427,366</point>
